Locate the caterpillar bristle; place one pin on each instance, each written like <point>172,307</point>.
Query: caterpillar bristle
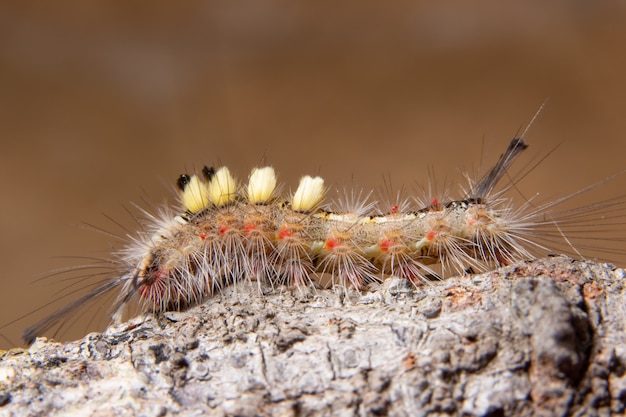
<point>224,232</point>
<point>486,186</point>
<point>355,200</point>
<point>341,254</point>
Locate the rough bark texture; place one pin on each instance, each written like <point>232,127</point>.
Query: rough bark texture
<point>536,338</point>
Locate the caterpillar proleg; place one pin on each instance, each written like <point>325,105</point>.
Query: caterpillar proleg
<point>223,231</point>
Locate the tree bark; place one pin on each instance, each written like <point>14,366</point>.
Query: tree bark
<point>536,338</point>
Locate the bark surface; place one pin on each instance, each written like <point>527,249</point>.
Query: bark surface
<point>537,338</point>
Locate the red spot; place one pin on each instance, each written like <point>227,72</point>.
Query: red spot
<point>249,228</point>
<point>471,222</point>
<point>203,235</point>
<point>331,244</point>
<point>153,289</point>
<point>431,234</point>
<point>386,244</point>
<point>224,229</point>
<point>284,233</point>
<point>435,202</point>
<point>394,209</point>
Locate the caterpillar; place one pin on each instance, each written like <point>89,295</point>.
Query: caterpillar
<point>222,232</point>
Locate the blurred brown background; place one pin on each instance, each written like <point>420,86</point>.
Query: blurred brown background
<point>105,103</point>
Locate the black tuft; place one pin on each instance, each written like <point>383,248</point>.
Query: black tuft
<point>208,172</point>
<point>182,182</point>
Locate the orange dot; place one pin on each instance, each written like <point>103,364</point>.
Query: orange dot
<point>284,233</point>
<point>386,244</point>
<point>431,234</point>
<point>331,244</point>
<point>249,228</point>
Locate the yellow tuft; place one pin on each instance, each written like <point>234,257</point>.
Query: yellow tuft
<point>309,194</point>
<point>222,189</point>
<point>261,185</point>
<point>195,195</point>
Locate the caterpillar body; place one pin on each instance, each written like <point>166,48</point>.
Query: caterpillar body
<point>223,232</point>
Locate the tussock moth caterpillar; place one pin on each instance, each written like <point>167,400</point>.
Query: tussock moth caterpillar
<point>224,231</point>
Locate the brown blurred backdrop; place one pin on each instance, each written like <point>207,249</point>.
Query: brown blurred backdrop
<point>105,103</point>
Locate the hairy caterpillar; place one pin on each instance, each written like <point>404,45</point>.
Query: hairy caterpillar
<point>223,232</point>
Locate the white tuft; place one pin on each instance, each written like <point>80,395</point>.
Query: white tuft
<point>222,188</point>
<point>309,194</point>
<point>195,197</point>
<point>261,185</point>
